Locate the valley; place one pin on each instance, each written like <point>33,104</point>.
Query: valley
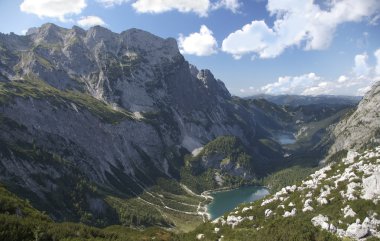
<point>116,136</point>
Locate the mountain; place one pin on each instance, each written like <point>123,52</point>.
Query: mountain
<point>339,201</point>
<point>90,116</point>
<point>361,129</point>
<point>297,100</point>
<point>119,129</point>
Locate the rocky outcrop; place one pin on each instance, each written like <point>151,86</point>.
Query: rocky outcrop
<point>362,127</point>
<point>349,208</point>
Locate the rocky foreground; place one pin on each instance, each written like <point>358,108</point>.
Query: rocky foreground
<point>341,200</point>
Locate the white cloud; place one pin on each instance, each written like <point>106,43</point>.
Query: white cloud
<point>232,5</point>
<point>89,21</point>
<point>111,3</point>
<point>200,7</point>
<point>53,8</point>
<point>358,82</point>
<point>342,79</point>
<point>361,67</point>
<point>200,44</point>
<point>297,23</point>
<point>377,55</point>
<point>24,31</point>
<point>292,85</point>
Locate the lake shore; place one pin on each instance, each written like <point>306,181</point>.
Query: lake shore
<point>235,195</point>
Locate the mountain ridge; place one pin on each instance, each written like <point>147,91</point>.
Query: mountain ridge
<point>110,128</point>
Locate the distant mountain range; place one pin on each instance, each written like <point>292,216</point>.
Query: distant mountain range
<point>296,100</point>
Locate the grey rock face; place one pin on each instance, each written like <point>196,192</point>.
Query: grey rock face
<point>61,88</point>
<point>362,126</point>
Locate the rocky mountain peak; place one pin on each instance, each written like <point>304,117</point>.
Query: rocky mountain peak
<point>99,33</point>
<point>150,44</point>
<point>48,33</point>
<point>216,87</point>
<point>193,70</point>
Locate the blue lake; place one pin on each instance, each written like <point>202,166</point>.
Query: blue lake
<point>225,201</point>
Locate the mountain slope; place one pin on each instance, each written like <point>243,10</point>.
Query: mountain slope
<point>337,201</point>
<point>90,114</point>
<point>362,127</point>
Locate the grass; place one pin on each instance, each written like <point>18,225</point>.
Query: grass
<point>34,88</point>
<point>287,177</point>
<point>158,206</point>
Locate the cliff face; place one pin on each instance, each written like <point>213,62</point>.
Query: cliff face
<point>111,111</point>
<point>362,127</point>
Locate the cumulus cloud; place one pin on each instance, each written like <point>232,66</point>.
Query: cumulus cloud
<point>357,82</point>
<point>111,3</point>
<point>89,21</point>
<point>361,67</point>
<point>297,23</point>
<point>59,9</point>
<point>292,84</point>
<point>200,44</point>
<point>233,5</point>
<point>200,7</point>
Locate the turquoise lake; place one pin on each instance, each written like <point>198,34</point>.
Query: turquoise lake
<point>227,200</point>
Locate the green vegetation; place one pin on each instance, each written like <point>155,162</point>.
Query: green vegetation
<point>284,229</point>
<point>33,88</point>
<point>219,158</point>
<point>166,204</point>
<point>337,156</point>
<point>287,177</point>
<point>299,227</point>
<point>19,221</point>
<point>230,148</point>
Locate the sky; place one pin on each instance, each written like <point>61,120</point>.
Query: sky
<point>305,47</point>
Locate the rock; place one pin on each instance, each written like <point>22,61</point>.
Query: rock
<point>350,157</point>
<point>290,214</point>
<point>233,220</point>
<point>359,128</point>
<point>308,208</point>
<point>245,209</point>
<point>341,232</point>
<point>216,230</point>
<point>371,187</point>
<point>348,212</point>
<point>332,228</point>
<point>322,201</point>
<point>321,221</point>
<point>200,236</point>
<point>357,231</point>
<point>268,212</point>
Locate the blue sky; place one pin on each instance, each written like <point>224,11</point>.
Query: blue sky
<point>254,46</point>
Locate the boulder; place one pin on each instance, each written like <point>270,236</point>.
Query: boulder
<point>357,231</point>
<point>321,221</point>
<point>371,187</point>
<point>200,236</point>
